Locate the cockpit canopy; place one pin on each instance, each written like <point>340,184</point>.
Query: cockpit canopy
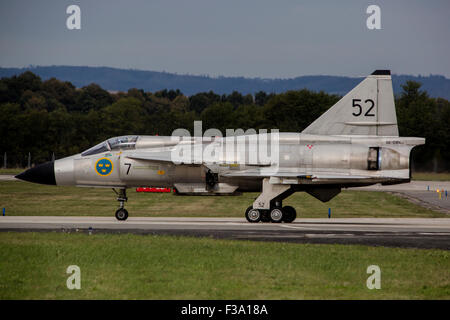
<point>116,143</point>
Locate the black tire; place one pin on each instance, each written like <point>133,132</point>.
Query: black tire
<point>276,215</point>
<point>289,214</point>
<point>265,215</point>
<point>121,214</point>
<point>252,215</point>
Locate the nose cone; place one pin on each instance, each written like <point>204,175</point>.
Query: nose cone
<point>43,174</point>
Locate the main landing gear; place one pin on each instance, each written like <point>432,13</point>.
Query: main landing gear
<point>121,213</point>
<point>268,206</point>
<point>276,214</point>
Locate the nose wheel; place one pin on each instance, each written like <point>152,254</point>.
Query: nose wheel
<point>121,213</point>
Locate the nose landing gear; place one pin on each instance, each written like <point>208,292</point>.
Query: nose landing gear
<point>121,213</point>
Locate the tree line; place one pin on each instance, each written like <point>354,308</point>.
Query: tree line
<point>52,116</point>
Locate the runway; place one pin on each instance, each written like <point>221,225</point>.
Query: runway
<point>391,232</point>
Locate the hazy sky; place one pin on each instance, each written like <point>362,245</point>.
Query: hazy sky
<point>251,38</point>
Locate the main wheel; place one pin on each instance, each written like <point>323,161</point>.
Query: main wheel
<point>289,214</point>
<point>252,215</point>
<point>276,215</point>
<point>121,214</point>
<point>265,215</point>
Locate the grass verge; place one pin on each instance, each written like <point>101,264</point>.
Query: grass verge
<point>13,171</point>
<point>431,176</point>
<point>113,266</point>
<point>27,199</point>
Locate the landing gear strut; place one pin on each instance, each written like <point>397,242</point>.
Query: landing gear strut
<point>268,206</point>
<point>121,213</point>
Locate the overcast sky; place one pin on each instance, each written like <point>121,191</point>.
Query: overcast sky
<point>250,38</point>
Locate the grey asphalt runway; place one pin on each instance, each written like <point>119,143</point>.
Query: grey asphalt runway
<point>8,177</point>
<point>392,232</point>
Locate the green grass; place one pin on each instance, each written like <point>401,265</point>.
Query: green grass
<point>431,176</point>
<point>33,266</point>
<point>13,171</point>
<point>27,199</point>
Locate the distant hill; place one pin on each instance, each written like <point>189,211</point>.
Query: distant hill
<point>114,79</point>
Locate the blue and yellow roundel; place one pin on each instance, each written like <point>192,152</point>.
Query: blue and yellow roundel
<point>104,167</point>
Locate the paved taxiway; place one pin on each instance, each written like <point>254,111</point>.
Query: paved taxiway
<point>394,232</point>
<point>8,177</point>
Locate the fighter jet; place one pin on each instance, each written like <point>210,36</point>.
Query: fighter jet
<point>355,143</point>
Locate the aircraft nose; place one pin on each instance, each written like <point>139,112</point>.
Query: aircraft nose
<point>42,173</point>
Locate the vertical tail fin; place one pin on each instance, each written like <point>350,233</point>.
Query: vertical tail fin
<point>368,109</point>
